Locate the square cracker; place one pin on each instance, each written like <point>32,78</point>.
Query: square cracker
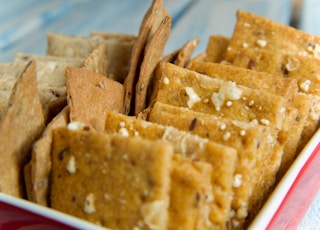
<point>274,83</point>
<point>19,128</point>
<point>257,158</point>
<point>217,48</point>
<point>222,158</point>
<point>41,160</point>
<point>190,194</point>
<point>91,96</point>
<point>111,180</point>
<point>96,61</point>
<point>254,31</point>
<point>186,88</point>
<point>118,52</point>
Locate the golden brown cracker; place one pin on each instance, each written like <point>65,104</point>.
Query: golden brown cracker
<point>259,80</point>
<point>186,51</point>
<point>41,159</point>
<point>169,58</point>
<point>190,194</point>
<point>198,58</point>
<point>91,96</point>
<point>19,128</point>
<point>302,68</point>
<point>217,48</point>
<point>254,31</point>
<point>150,23</point>
<point>152,54</point>
<point>96,61</point>
<point>247,139</point>
<point>222,158</point>
<point>111,180</point>
<point>182,87</point>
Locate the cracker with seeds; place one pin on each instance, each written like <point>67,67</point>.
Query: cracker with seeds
<point>41,160</point>
<point>182,87</point>
<point>217,48</point>
<point>274,83</point>
<point>250,140</point>
<point>111,180</point>
<point>254,31</point>
<point>91,96</point>
<point>152,54</point>
<point>20,126</point>
<point>222,158</point>
<point>149,25</point>
<point>301,68</point>
<point>190,194</point>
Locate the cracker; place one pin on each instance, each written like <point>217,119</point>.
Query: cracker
<point>96,61</point>
<point>251,141</point>
<point>222,158</point>
<point>116,36</point>
<point>302,68</point>
<point>152,54</point>
<point>169,58</point>
<point>26,57</point>
<point>51,80</point>
<point>9,73</point>
<point>111,180</point>
<point>190,194</point>
<point>186,51</point>
<point>150,23</point>
<point>199,58</point>
<point>117,52</point>
<point>254,31</point>
<point>91,96</point>
<point>217,48</point>
<point>259,80</point>
<point>182,87</point>
<point>20,126</point>
<point>41,160</point>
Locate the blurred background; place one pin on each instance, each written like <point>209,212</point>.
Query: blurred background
<point>24,24</point>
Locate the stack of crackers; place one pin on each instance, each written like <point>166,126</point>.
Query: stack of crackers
<point>109,129</point>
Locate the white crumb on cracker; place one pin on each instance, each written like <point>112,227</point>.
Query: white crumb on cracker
<point>89,206</point>
<point>71,166</point>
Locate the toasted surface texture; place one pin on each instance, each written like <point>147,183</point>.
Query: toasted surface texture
<point>41,159</point>
<point>223,159</point>
<point>111,180</point>
<point>91,96</point>
<point>19,128</point>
